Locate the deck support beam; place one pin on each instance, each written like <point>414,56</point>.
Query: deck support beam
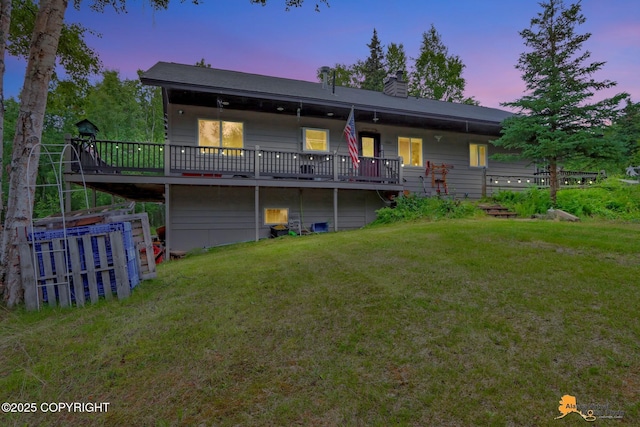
<point>256,203</point>
<point>335,209</point>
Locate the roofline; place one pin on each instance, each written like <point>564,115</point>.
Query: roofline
<point>165,85</point>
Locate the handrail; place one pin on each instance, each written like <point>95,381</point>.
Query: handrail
<point>139,157</point>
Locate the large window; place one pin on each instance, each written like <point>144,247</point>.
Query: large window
<point>315,139</point>
<point>478,155</point>
<point>221,134</point>
<point>276,216</point>
<point>410,149</point>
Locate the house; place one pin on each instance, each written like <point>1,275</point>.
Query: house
<point>245,152</point>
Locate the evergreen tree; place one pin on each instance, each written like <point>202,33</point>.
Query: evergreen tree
<point>396,60</point>
<point>373,68</point>
<point>556,123</point>
<point>436,74</point>
<point>626,130</point>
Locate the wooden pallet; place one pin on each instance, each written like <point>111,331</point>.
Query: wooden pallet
<point>498,211</point>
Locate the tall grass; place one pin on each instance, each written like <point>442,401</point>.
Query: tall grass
<point>412,207</point>
<point>611,199</point>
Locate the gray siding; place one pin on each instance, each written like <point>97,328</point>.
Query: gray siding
<point>283,132</point>
<point>205,216</point>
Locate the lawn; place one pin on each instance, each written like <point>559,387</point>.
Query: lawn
<point>452,323</point>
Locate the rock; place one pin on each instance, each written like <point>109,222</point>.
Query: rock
<point>562,215</point>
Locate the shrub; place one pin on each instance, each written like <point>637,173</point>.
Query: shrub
<point>412,207</point>
<point>525,203</point>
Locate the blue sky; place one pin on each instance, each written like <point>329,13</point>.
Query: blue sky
<point>236,35</point>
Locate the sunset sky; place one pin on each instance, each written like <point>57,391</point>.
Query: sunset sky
<point>236,35</point>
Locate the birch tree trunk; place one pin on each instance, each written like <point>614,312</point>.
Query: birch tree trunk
<point>42,59</point>
<point>5,25</point>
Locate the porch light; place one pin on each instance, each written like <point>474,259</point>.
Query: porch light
<point>277,156</point>
<point>327,159</point>
<point>117,146</point>
<point>528,180</point>
<point>344,160</point>
<point>509,181</point>
<point>542,180</point>
<point>566,182</point>
<point>139,148</point>
<point>295,157</point>
<point>310,157</point>
<point>182,151</point>
<point>259,154</point>
<point>387,163</point>
<point>373,161</point>
<point>590,182</point>
<point>161,149</point>
<point>519,180</point>
<point>496,181</point>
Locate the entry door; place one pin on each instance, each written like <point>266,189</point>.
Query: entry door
<point>369,149</point>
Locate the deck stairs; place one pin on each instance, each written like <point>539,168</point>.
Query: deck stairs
<point>497,211</point>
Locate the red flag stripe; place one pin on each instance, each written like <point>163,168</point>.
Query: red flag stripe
<point>352,141</point>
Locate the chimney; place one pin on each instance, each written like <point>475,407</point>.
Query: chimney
<point>396,86</point>
<point>325,76</point>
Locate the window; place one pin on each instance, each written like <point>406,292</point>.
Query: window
<point>220,134</point>
<point>478,155</point>
<point>410,149</point>
<point>315,139</point>
<point>276,216</point>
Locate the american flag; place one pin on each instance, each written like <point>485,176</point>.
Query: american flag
<point>352,141</point>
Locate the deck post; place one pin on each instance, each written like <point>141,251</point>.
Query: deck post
<point>167,221</point>
<point>256,165</point>
<point>256,202</point>
<point>335,209</point>
<point>484,181</point>
<point>167,158</point>
<point>335,165</point>
<point>400,170</point>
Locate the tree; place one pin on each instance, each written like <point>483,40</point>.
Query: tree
<point>373,68</point>
<point>345,75</point>
<point>556,122</point>
<point>436,74</point>
<point>626,130</point>
<point>42,53</point>
<point>396,60</point>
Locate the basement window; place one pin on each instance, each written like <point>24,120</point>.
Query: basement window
<point>274,216</point>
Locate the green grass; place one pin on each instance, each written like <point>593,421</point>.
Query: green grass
<point>458,322</point>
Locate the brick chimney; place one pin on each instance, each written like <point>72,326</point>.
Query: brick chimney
<point>396,86</point>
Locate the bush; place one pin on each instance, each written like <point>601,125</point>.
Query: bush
<point>526,203</point>
<point>609,199</point>
<point>412,207</point>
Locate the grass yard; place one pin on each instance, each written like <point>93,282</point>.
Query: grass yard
<point>452,323</point>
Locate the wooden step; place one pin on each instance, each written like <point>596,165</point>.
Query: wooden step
<point>498,211</point>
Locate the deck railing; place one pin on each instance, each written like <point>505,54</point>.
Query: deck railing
<point>186,160</point>
<point>541,179</point>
